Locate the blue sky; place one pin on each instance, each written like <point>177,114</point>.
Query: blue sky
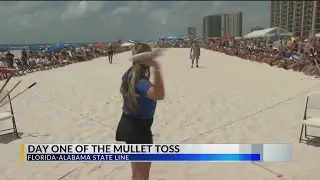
<point>79,21</point>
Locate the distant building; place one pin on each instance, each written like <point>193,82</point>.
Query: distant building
<point>231,24</point>
<point>192,32</point>
<point>211,26</point>
<point>222,25</point>
<point>302,18</point>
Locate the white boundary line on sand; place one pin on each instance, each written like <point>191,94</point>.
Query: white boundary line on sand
<point>61,105</point>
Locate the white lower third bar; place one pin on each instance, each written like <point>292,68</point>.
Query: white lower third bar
<point>277,153</point>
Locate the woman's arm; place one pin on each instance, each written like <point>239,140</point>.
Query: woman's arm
<point>157,92</point>
<point>146,56</point>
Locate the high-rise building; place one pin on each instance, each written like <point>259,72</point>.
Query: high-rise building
<point>231,24</point>
<point>222,25</point>
<point>192,32</point>
<point>211,26</point>
<point>302,18</point>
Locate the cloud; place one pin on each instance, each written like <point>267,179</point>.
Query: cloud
<point>159,15</point>
<point>78,21</point>
<point>80,9</point>
<point>122,11</point>
<point>21,6</point>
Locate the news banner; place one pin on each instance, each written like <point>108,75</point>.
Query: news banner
<point>158,152</point>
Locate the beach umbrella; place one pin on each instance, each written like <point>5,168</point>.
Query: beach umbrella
<point>35,47</point>
<point>3,49</point>
<point>99,45</point>
<point>57,47</point>
<point>68,45</point>
<point>227,37</point>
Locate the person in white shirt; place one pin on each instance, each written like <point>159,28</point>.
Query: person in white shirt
<point>32,61</point>
<point>70,54</point>
<point>306,50</point>
<point>300,47</point>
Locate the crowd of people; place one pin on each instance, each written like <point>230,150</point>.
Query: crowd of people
<point>43,59</point>
<point>296,54</point>
<point>174,43</point>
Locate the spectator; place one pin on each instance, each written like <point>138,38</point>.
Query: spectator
<point>24,57</point>
<point>10,58</point>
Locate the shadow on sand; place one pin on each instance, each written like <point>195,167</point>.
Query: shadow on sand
<point>312,141</point>
<point>200,67</point>
<point>9,137</point>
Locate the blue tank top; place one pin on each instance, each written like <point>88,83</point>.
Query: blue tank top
<point>146,107</point>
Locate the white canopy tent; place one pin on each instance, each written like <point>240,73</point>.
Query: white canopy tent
<point>268,33</point>
<point>127,44</point>
<point>130,41</point>
<point>318,35</point>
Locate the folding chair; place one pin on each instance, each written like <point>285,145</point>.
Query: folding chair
<point>7,115</point>
<point>313,120</point>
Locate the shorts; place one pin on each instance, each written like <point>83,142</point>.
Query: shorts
<point>134,131</point>
<point>193,57</point>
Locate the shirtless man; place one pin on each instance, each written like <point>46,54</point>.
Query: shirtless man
<point>24,58</point>
<point>110,54</point>
<point>195,53</point>
<point>10,59</point>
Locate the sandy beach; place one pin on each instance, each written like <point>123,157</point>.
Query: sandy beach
<point>227,100</point>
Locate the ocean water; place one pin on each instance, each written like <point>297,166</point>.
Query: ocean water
<point>11,47</point>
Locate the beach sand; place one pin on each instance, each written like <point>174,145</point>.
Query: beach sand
<point>227,100</point>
